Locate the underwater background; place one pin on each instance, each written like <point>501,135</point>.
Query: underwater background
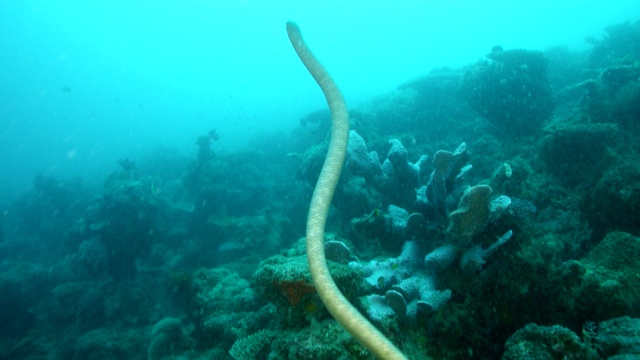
<point>158,159</point>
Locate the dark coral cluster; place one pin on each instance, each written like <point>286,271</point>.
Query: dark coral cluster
<point>510,88</point>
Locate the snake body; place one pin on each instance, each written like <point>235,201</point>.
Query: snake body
<point>339,307</point>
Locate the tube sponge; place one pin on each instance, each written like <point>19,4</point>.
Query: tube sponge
<point>471,216</point>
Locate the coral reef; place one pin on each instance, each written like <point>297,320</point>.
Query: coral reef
<point>547,342</point>
<point>215,318</point>
<point>167,339</point>
<point>510,89</point>
<point>576,151</point>
<point>286,282</point>
<point>516,237</point>
<point>250,347</point>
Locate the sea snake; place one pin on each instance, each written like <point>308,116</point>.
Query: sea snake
<point>336,303</point>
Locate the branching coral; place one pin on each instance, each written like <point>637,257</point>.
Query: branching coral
<point>249,347</point>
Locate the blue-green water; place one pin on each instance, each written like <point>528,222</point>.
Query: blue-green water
<point>158,160</point>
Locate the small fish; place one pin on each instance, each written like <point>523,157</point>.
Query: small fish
<point>214,135</point>
<point>230,246</point>
<point>155,189</point>
<point>184,206</point>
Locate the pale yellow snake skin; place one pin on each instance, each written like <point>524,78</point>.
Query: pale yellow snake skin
<point>331,296</point>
